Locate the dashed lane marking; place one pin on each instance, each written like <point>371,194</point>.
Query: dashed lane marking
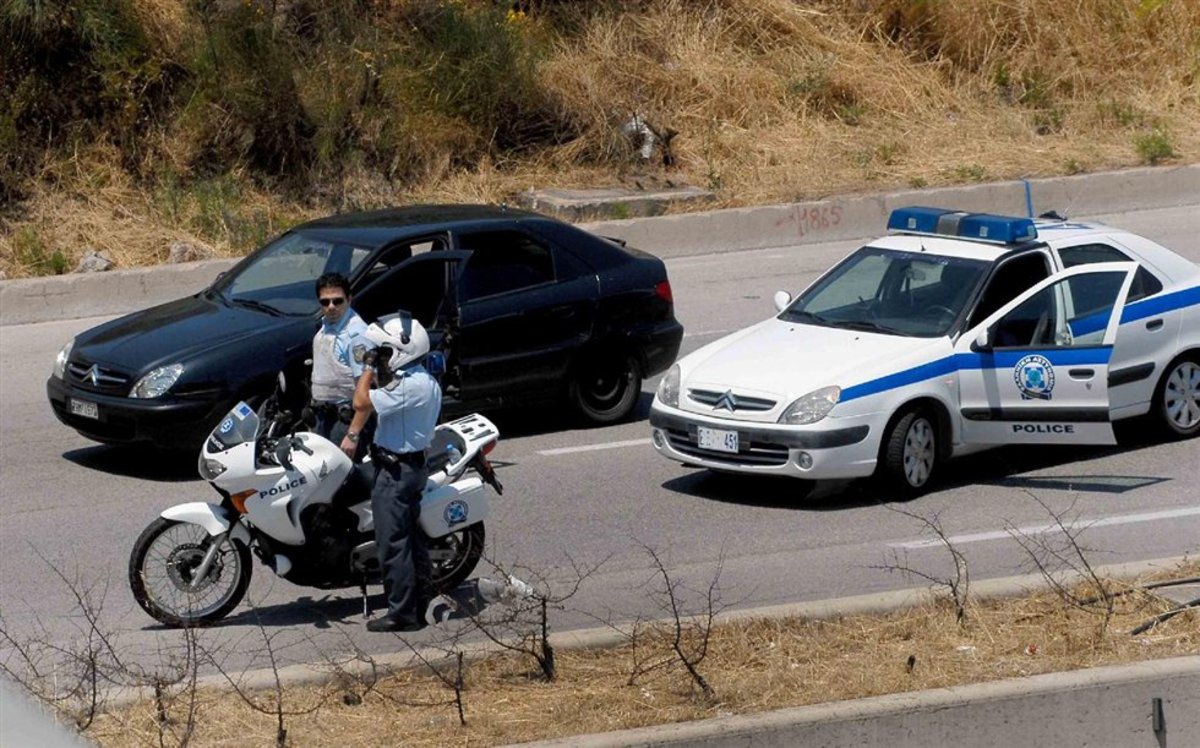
<point>594,447</point>
<point>1083,524</point>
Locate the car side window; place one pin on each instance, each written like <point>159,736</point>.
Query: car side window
<point>1071,313</point>
<point>1144,283</point>
<point>1009,281</point>
<point>398,253</point>
<point>503,262</point>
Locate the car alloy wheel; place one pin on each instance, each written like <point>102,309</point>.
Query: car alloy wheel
<point>908,456</point>
<point>918,453</point>
<point>606,391</point>
<point>1180,398</point>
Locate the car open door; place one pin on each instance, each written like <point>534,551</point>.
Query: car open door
<point>422,286</point>
<point>1036,371</point>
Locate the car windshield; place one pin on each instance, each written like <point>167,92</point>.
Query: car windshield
<point>891,292</point>
<point>279,278</point>
<point>239,425</point>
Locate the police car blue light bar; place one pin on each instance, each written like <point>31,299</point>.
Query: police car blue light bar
<point>975,226</point>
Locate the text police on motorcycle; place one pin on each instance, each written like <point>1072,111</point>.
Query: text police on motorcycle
<point>339,348</point>
<point>408,401</point>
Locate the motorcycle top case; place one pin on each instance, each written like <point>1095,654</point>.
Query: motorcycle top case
<point>450,508</point>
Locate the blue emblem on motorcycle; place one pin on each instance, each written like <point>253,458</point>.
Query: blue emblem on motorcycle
<point>226,425</point>
<point>243,410</point>
<point>1034,376</point>
<point>455,513</point>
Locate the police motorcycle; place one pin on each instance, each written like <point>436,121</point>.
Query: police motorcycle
<point>303,507</point>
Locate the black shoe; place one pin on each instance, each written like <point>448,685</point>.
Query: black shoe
<point>385,623</point>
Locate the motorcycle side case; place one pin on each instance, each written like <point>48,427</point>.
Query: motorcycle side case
<point>451,508</point>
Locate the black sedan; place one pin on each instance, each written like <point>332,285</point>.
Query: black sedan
<point>524,309</point>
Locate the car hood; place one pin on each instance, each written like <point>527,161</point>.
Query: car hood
<point>177,331</point>
<point>782,361</point>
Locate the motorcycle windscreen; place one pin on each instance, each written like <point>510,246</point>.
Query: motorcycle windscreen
<point>239,426</point>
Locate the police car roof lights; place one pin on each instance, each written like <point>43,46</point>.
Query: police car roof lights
<point>973,226</point>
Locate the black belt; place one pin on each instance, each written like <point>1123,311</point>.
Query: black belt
<point>388,457</point>
<point>343,412</point>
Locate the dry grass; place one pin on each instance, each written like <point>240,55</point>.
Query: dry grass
<point>773,100</point>
<point>753,666</point>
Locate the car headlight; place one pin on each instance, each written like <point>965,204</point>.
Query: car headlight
<point>668,388</point>
<point>812,407</point>
<point>157,382</point>
<point>60,361</point>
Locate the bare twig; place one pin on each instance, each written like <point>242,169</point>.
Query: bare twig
<point>1058,547</point>
<point>958,584</point>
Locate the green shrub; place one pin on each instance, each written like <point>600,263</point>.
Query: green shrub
<point>1154,147</point>
<point>32,253</point>
<point>970,173</point>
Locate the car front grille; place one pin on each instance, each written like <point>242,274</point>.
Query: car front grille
<point>729,400</point>
<point>97,378</point>
<point>749,453</point>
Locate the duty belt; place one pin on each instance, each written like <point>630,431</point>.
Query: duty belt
<point>389,458</point>
<point>343,412</point>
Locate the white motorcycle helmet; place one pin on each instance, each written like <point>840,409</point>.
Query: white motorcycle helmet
<point>405,336</point>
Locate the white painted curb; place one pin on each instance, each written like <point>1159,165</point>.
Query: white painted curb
<point>30,300</point>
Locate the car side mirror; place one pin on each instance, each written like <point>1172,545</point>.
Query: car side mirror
<point>983,341</point>
<point>782,299</point>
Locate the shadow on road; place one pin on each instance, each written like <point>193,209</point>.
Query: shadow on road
<point>465,601</point>
<point>136,462</point>
<point>548,419</point>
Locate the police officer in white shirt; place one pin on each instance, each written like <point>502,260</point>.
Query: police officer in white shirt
<point>339,348</point>
<point>408,401</point>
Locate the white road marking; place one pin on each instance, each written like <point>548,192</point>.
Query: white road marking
<point>1126,519</point>
<point>594,447</point>
<point>703,333</point>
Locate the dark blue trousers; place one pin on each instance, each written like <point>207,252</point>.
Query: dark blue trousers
<point>403,552</point>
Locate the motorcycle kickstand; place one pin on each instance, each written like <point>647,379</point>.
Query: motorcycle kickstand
<point>362,586</point>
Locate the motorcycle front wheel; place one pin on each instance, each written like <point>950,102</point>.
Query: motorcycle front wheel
<point>454,556</point>
<point>162,572</point>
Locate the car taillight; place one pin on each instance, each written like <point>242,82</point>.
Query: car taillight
<point>663,291</point>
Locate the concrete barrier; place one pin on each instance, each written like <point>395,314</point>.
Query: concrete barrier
<point>1145,704</point>
<point>29,300</point>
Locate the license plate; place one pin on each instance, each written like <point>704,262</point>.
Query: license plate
<point>84,408</point>
<point>717,440</point>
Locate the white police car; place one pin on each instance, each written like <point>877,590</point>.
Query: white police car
<point>953,333</point>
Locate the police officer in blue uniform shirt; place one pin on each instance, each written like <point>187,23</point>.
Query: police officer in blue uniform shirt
<point>339,348</point>
<point>408,401</point>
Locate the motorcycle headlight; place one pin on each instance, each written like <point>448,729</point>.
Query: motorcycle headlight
<point>60,361</point>
<point>210,469</point>
<point>157,382</point>
<point>812,407</point>
<point>668,388</point>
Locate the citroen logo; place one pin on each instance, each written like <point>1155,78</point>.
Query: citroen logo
<point>94,375</point>
<point>726,401</point>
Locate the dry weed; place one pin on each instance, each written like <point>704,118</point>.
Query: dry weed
<point>773,101</point>
<point>754,666</point>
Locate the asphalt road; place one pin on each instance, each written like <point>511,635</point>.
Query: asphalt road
<point>70,510</point>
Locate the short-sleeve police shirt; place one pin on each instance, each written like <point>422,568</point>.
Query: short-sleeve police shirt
<point>408,411</point>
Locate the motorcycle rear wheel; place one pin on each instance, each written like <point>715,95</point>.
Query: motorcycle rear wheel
<point>161,569</point>
<point>454,556</point>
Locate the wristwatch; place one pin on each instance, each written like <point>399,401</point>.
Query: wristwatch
<point>352,436</point>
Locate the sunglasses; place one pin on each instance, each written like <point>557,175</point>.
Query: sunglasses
<point>336,301</point>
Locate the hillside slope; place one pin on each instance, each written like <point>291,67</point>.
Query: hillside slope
<point>130,124</point>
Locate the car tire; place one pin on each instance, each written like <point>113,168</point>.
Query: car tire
<point>606,391</point>
<point>909,459</point>
<point>1176,405</point>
